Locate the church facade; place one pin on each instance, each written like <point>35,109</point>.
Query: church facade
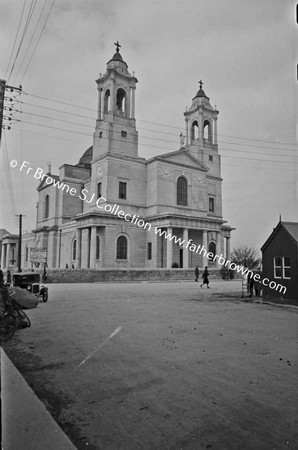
<point>178,193</point>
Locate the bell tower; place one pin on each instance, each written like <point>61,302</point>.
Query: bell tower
<point>115,130</point>
<point>201,128</point>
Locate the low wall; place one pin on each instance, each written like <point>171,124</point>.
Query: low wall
<point>106,275</point>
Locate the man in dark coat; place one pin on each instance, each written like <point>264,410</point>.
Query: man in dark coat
<point>197,272</point>
<point>205,277</point>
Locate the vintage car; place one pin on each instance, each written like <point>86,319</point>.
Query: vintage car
<point>31,282</point>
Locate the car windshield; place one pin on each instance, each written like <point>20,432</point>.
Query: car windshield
<point>34,278</point>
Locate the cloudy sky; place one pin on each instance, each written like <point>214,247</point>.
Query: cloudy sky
<point>243,51</point>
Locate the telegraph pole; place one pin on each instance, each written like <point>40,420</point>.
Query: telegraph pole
<point>2,93</point>
<point>5,87</point>
<point>20,243</point>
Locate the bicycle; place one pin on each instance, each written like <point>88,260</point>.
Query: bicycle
<point>12,318</point>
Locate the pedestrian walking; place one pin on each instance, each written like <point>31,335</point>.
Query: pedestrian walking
<point>205,277</point>
<point>44,275</point>
<point>197,273</point>
<point>8,277</point>
<point>250,284</point>
<point>258,284</point>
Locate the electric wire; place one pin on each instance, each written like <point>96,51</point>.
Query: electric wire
<point>16,36</point>
<point>164,140</point>
<point>87,144</point>
<point>28,20</point>
<point>154,123</point>
<point>32,36</point>
<point>159,131</point>
<point>153,146</point>
<point>47,18</point>
<point>8,174</point>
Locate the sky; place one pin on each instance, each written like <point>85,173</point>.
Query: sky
<point>243,51</point>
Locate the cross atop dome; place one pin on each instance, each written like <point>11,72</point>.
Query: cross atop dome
<point>117,46</point>
<point>200,92</point>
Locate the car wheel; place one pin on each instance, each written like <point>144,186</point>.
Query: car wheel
<point>45,296</point>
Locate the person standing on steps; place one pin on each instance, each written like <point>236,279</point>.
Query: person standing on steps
<point>205,277</point>
<point>197,272</point>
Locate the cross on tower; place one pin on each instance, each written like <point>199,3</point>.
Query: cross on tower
<point>200,83</point>
<point>117,46</point>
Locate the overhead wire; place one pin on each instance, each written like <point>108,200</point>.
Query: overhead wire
<point>59,138</point>
<point>157,131</point>
<point>8,175</point>
<point>28,20</point>
<point>42,30</point>
<point>16,36</point>
<point>32,36</point>
<point>168,141</point>
<point>153,146</point>
<point>150,122</point>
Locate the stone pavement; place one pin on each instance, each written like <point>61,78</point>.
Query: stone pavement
<point>26,424</point>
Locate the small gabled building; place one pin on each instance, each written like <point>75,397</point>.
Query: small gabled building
<point>280,262</point>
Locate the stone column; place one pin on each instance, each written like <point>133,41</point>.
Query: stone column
<point>79,245</point>
<point>169,249</point>
<point>88,247</point>
<point>215,131</point>
<point>8,254</point>
<point>186,132</point>
<point>127,104</point>
<point>185,250</point>
<point>133,103</point>
<point>218,249</point>
<point>154,249</point>
<point>228,250</point>
<point>99,104</point>
<point>2,256</point>
<point>113,96</point>
<point>93,248</point>
<point>201,128</point>
<point>205,245</point>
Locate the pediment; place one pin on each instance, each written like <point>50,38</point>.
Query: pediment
<point>182,157</point>
<point>42,183</point>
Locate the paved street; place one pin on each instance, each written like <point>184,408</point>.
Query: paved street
<point>163,366</point>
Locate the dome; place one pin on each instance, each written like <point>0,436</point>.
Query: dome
<point>117,57</point>
<point>85,160</point>
<point>201,93</point>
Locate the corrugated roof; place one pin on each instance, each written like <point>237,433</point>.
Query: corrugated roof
<point>292,228</point>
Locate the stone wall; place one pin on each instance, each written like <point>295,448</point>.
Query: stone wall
<point>124,275</point>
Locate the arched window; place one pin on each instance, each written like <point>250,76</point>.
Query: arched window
<point>194,131</point>
<point>182,191</point>
<point>47,207</point>
<point>74,249</point>
<point>207,131</point>
<point>97,247</point>
<point>107,100</point>
<point>212,248</point>
<point>121,100</point>
<point>121,247</point>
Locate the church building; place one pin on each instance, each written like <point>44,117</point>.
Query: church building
<point>179,193</point>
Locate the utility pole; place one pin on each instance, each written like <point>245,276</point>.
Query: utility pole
<point>2,93</point>
<point>20,244</point>
<point>3,88</point>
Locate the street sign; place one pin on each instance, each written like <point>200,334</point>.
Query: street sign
<point>38,255</point>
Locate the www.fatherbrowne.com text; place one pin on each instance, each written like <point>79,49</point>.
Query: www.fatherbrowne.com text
<point>101,204</point>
